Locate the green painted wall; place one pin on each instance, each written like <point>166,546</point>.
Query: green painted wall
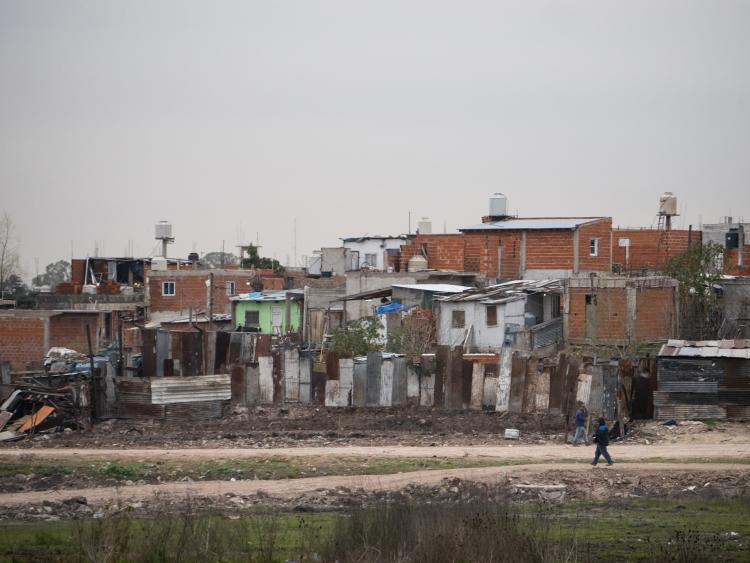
<point>265,309</point>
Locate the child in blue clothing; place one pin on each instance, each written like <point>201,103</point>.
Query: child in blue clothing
<point>601,437</point>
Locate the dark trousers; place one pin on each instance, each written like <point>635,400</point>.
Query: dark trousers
<point>601,450</point>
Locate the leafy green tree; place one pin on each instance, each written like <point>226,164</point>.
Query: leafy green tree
<point>416,336</point>
<point>698,269</point>
<point>358,338</point>
<point>54,273</point>
<point>254,260</point>
<point>220,259</point>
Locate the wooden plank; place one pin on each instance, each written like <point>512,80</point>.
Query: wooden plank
<point>542,391</point>
<point>502,403</point>
<point>477,385</point>
<point>265,380</point>
<point>374,361</point>
<point>483,358</point>
<point>252,382</point>
<point>346,381</point>
<point>529,389</point>
<point>399,382</point>
<point>291,375</point>
<point>37,418</point>
<point>239,390</point>
<point>442,368</point>
<point>359,388</point>
<point>386,383</point>
<point>517,383</point>
<point>305,379</point>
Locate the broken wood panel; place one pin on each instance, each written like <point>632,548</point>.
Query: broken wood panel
<point>265,380</point>
<point>529,388</point>
<point>291,375</point>
<point>239,390</point>
<point>399,382</point>
<point>412,385</point>
<point>374,363</point>
<point>332,365</point>
<point>541,403</point>
<point>332,397</point>
<point>555,389</point>
<point>595,403</point>
<point>583,392</point>
<point>455,379</point>
<point>502,403</point>
<point>386,383</point>
<point>252,383</point>
<point>191,361</point>
<point>247,347</point>
<point>477,385</point>
<point>346,380</point>
<point>262,345</point>
<point>489,393</point>
<point>305,379</point>
<point>221,352</point>
<point>359,386</point>
<point>235,348</point>
<point>278,376</point>
<point>427,381</point>
<point>517,383</point>
<point>442,368</point>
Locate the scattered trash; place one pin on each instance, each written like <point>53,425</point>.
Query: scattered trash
<point>669,423</point>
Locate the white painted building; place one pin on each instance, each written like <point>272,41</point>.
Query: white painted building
<point>522,314</point>
<point>373,251</point>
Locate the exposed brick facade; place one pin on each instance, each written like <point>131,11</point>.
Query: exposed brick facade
<point>649,249</point>
<point>604,313</point>
<point>509,254</point>
<point>26,336</point>
<point>190,291</point>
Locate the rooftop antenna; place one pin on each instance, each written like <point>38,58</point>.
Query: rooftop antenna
<point>164,234</point>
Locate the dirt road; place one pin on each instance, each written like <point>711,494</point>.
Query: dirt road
<point>293,487</point>
<point>556,452</point>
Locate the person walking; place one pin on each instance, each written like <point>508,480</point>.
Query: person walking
<point>581,416</point>
<point>601,437</point>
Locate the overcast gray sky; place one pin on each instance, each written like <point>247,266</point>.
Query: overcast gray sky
<point>236,117</point>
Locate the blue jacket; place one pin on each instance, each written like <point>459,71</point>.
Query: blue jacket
<point>580,418</point>
<point>602,435</point>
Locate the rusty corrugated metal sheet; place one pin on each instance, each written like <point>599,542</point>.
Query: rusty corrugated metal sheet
<point>133,400</point>
<point>194,413</point>
<point>165,391</point>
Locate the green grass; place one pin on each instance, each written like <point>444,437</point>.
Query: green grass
<point>629,529</point>
<point>619,530</point>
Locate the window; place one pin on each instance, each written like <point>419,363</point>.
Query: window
<point>371,260</point>
<point>594,247</point>
<point>458,319</point>
<point>168,289</point>
<point>252,318</point>
<point>491,315</point>
<point>231,287</point>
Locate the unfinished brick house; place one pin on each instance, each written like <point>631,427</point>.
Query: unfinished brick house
<point>27,335</point>
<point>515,248</point>
<point>641,251</point>
<point>173,294</point>
<point>620,310</point>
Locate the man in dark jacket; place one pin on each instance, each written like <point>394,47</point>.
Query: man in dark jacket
<point>601,437</point>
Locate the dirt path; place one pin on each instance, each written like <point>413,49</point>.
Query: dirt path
<point>557,452</point>
<point>293,487</point>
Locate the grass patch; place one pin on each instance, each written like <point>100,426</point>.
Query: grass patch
<point>678,530</point>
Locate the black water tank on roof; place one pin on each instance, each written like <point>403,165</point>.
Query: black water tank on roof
<point>732,239</point>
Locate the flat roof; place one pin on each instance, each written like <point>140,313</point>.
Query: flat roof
<point>533,223</point>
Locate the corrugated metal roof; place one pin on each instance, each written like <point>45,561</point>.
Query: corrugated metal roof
<point>170,390</point>
<point>373,237</point>
<point>435,287</point>
<point>706,349</point>
<point>507,291</point>
<point>532,224</point>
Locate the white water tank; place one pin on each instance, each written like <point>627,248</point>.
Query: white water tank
<point>425,226</point>
<point>417,263</point>
<point>498,205</point>
<point>668,204</point>
<point>163,230</point>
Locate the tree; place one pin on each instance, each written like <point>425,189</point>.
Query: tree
<point>255,260</point>
<point>416,336</point>
<point>54,273</point>
<point>698,269</point>
<point>9,260</point>
<point>360,337</point>
<point>220,259</point>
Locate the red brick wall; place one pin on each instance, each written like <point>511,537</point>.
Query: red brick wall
<point>650,248</point>
<point>731,257</point>
<point>601,230</point>
<point>654,313</point>
<point>191,292</point>
<point>69,331</point>
<point>549,250</point>
<point>444,252</point>
<point>21,341</point>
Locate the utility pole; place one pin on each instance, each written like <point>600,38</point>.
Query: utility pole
<point>210,284</point>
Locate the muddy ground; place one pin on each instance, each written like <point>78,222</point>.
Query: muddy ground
<point>294,426</point>
<point>520,484</point>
